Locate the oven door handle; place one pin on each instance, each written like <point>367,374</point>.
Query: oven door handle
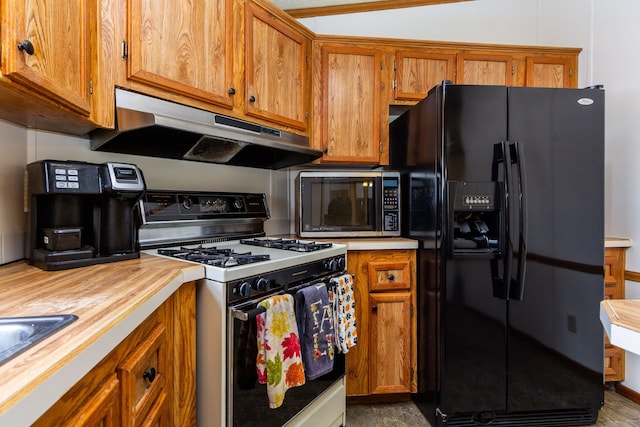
<point>246,315</point>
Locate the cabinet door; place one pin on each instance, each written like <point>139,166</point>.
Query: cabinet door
<point>354,113</point>
<point>417,71</point>
<point>142,375</point>
<point>389,342</point>
<point>485,69</point>
<point>102,408</point>
<point>37,34</point>
<point>277,86</point>
<point>182,47</point>
<point>551,71</point>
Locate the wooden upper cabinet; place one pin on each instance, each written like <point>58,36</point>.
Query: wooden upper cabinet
<point>485,69</point>
<point>276,68</point>
<point>46,48</point>
<point>351,106</point>
<point>551,71</point>
<point>417,71</point>
<point>182,47</point>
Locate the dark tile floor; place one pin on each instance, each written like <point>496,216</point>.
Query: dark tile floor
<point>618,411</point>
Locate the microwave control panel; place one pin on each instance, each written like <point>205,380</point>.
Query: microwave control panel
<point>391,203</point>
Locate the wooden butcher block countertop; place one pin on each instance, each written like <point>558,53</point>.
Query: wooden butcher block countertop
<point>110,300</point>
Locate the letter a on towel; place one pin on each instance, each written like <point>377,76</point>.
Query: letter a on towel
<point>314,314</point>
<point>278,363</point>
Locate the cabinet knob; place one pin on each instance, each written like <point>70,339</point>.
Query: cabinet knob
<point>374,308</point>
<point>232,91</point>
<point>390,277</point>
<point>149,375</point>
<point>27,47</point>
<point>252,98</point>
<point>325,150</point>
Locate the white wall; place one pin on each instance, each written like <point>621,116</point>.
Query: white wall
<point>20,146</point>
<point>606,30</point>
<point>615,63</point>
<point>12,160</point>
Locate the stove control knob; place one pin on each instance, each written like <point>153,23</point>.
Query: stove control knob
<point>187,202</point>
<point>243,289</point>
<point>260,284</point>
<point>335,264</point>
<point>342,263</point>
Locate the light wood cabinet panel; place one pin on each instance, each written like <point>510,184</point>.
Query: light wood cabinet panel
<point>182,47</point>
<point>390,342</point>
<point>551,71</point>
<point>417,71</point>
<point>484,69</point>
<point>351,106</point>
<point>102,408</point>
<point>45,32</point>
<point>384,360</point>
<point>614,288</point>
<point>122,389</point>
<point>277,74</point>
<point>142,375</point>
<point>390,276</point>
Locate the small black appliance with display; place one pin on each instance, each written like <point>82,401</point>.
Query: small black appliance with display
<point>82,213</point>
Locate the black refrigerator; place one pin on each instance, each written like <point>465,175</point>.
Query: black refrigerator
<point>504,189</point>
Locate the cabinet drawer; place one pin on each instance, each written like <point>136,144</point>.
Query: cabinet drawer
<point>393,275</point>
<point>142,377</point>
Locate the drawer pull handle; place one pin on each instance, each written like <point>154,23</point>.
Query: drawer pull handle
<point>390,277</point>
<point>149,375</point>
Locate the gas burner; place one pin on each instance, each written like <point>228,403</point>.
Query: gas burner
<point>214,256</point>
<point>287,244</point>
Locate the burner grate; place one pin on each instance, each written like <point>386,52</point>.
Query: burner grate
<point>287,244</point>
<point>214,256</point>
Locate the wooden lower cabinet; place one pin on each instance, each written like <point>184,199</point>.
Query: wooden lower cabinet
<point>614,288</point>
<point>147,380</point>
<point>384,360</point>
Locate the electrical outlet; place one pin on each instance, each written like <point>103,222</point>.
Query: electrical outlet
<point>571,323</point>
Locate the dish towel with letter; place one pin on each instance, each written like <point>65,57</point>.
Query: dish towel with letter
<point>314,314</point>
<point>344,309</point>
<point>278,363</point>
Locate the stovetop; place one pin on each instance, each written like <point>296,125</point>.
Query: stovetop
<point>239,259</point>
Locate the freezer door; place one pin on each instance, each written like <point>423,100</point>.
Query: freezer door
<point>474,376</point>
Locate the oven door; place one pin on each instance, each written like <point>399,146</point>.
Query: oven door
<point>247,403</point>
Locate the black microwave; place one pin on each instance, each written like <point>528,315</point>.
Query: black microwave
<point>348,204</point>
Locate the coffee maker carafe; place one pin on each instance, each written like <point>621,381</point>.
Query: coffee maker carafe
<point>82,213</point>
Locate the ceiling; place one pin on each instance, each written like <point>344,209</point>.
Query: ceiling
<point>307,8</point>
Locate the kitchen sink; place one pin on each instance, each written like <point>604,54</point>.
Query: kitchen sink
<point>19,333</point>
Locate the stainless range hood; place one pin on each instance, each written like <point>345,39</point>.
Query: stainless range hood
<point>153,127</point>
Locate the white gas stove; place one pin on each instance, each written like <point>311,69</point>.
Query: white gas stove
<point>225,233</point>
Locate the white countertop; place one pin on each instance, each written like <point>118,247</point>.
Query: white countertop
<point>617,242</point>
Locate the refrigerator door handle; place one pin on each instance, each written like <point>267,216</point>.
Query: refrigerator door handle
<point>501,285</point>
<point>516,151</point>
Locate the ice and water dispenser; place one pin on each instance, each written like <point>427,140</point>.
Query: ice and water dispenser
<point>476,218</point>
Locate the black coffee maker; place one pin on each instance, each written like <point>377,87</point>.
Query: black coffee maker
<point>82,213</point>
